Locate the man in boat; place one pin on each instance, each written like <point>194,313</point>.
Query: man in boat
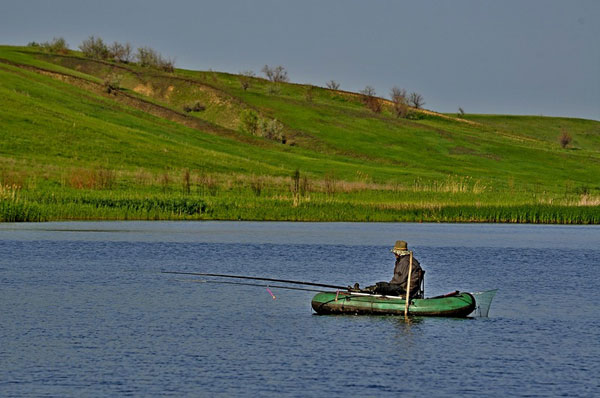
<point>397,286</point>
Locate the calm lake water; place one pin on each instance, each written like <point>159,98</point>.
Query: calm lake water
<point>85,311</point>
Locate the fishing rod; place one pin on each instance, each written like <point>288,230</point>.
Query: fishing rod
<point>252,284</point>
<point>258,279</point>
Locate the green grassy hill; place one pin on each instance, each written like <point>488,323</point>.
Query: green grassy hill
<point>90,139</point>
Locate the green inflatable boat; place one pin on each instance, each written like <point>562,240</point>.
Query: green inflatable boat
<point>456,304</point>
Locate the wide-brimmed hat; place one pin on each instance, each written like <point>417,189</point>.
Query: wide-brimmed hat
<point>400,246</point>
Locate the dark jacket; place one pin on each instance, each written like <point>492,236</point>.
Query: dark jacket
<point>401,275</point>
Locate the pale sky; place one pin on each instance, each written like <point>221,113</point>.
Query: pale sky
<point>536,57</point>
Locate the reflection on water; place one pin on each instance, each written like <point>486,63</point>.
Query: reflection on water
<point>406,328</point>
<point>86,311</point>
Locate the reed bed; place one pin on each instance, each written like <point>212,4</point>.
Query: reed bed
<point>104,194</point>
<point>13,209</point>
<point>243,203</point>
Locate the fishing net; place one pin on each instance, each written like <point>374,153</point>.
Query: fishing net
<point>483,301</point>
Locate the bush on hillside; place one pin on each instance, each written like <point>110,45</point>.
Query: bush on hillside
<point>120,52</point>
<point>167,64</point>
<point>246,79</point>
<point>57,45</point>
<point>332,85</point>
<point>195,106</point>
<point>416,100</point>
<point>272,130</point>
<point>148,57</point>
<point>94,47</point>
<point>398,96</point>
<point>368,91</point>
<point>564,139</point>
<point>370,100</point>
<point>412,115</point>
<point>112,83</point>
<point>276,74</point>
<point>253,124</point>
<point>249,121</point>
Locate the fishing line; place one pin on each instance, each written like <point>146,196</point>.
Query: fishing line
<point>258,279</point>
<point>250,284</point>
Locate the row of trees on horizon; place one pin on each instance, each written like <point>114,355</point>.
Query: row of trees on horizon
<point>95,47</point>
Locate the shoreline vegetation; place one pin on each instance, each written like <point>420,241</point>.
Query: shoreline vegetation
<point>266,199</point>
<point>98,134</point>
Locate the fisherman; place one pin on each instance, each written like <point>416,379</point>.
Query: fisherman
<point>397,286</point>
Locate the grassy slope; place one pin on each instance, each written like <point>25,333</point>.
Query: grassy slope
<point>51,127</point>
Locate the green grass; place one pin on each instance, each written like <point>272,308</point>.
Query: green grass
<point>62,134</point>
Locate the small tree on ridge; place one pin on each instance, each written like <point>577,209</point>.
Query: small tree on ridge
<point>94,47</point>
<point>370,100</point>
<point>416,100</point>
<point>333,85</point>
<point>398,96</point>
<point>276,74</point>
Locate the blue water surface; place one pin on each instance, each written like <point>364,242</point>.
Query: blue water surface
<point>85,311</point>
